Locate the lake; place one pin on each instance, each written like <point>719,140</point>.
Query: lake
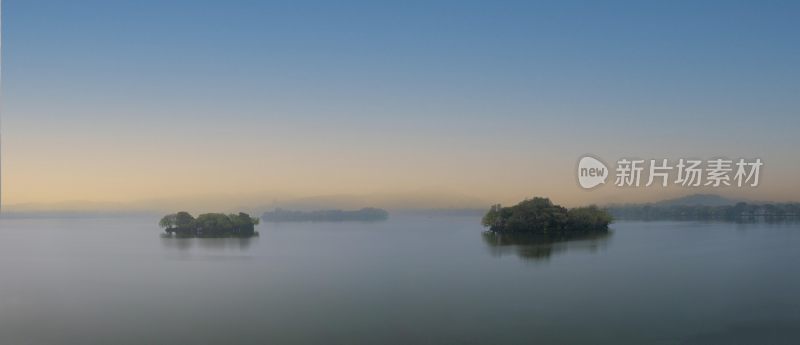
<point>409,280</point>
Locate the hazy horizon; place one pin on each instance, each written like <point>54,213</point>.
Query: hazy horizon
<point>258,203</point>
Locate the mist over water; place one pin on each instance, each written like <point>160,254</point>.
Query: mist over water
<point>411,279</point>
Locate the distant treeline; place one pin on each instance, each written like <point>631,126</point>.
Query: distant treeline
<point>739,211</point>
<point>364,214</point>
<point>446,212</point>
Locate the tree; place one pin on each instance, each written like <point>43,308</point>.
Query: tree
<point>184,220</point>
<point>214,224</point>
<point>169,221</point>
<point>492,216</point>
<point>243,224</point>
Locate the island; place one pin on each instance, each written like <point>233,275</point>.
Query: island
<point>539,216</point>
<point>367,214</point>
<point>209,225</point>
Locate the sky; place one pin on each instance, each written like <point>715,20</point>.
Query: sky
<point>462,102</point>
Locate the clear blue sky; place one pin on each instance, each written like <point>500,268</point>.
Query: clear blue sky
<point>276,87</point>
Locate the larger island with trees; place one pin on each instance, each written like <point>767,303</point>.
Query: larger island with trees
<point>540,216</point>
<point>210,225</point>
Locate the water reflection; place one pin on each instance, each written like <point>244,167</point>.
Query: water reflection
<point>225,243</point>
<point>538,248</point>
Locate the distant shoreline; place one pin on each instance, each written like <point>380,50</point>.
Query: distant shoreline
<point>732,213</point>
<point>367,214</point>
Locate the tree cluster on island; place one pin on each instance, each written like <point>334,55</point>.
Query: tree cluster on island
<point>210,225</point>
<point>365,214</point>
<point>540,216</point>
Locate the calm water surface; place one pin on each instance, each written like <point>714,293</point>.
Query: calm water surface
<point>410,280</point>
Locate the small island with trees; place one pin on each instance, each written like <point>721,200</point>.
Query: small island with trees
<point>539,216</point>
<point>367,214</point>
<point>183,224</point>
